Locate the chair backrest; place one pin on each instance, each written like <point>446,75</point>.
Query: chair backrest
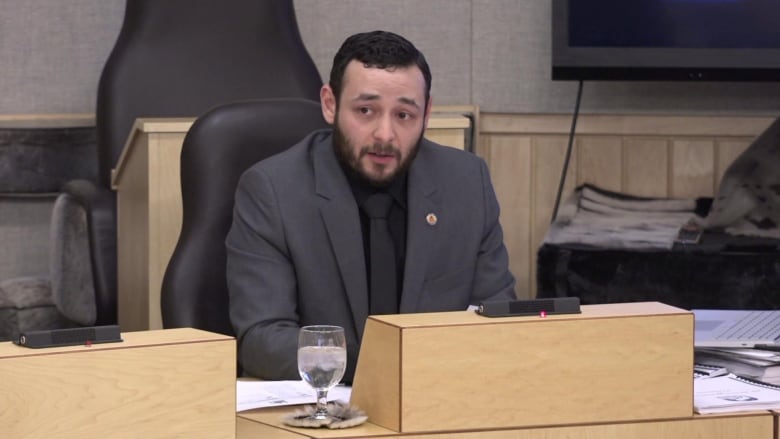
<point>219,147</point>
<point>179,58</point>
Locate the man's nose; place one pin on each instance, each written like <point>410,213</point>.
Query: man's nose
<point>384,131</point>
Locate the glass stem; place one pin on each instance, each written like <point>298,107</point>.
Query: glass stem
<point>322,403</point>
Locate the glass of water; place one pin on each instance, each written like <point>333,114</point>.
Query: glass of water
<point>322,360</point>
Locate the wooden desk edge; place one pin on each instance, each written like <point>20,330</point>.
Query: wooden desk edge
<point>446,119</point>
<point>270,419</point>
<point>146,125</point>
<point>46,120</point>
<point>615,310</point>
<point>130,340</point>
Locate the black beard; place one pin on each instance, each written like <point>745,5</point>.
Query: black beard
<point>350,162</point>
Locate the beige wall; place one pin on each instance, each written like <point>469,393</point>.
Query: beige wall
<point>493,53</point>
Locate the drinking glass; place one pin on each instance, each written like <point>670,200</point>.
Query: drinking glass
<point>322,360</point>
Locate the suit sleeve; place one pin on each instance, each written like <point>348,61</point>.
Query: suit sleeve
<point>493,280</point>
<point>261,282</point>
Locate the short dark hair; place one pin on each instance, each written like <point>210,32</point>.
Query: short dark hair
<point>379,49</point>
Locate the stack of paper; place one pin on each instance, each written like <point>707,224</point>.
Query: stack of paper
<point>757,364</point>
<point>251,393</point>
<point>730,393</point>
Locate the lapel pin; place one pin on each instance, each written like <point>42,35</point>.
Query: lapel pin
<point>431,218</point>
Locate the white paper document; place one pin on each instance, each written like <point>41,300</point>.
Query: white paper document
<point>252,394</point>
<point>730,393</point>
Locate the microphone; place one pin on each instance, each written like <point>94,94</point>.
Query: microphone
<point>530,307</point>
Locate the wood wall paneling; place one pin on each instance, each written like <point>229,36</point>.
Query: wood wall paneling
<point>645,167</point>
<point>600,161</point>
<point>511,163</point>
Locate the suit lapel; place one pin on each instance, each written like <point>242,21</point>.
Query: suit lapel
<point>422,233</point>
<point>342,221</point>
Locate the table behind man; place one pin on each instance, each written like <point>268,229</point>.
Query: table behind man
<point>299,250</point>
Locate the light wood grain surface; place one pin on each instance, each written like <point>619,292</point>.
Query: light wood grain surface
<point>155,384</point>
<point>527,371</point>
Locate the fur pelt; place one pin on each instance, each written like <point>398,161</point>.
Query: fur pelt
<point>342,415</point>
<point>748,198</point>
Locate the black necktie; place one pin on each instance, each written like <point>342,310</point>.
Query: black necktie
<point>383,294</point>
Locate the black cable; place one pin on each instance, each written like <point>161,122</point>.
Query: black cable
<point>568,152</point>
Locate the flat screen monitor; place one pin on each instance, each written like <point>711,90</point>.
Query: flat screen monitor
<point>702,40</point>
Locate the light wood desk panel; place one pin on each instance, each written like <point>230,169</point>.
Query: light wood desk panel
<point>147,181</point>
<point>154,384</point>
<point>517,372</point>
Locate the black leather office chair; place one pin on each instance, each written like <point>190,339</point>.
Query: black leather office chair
<point>219,147</point>
<point>179,58</point>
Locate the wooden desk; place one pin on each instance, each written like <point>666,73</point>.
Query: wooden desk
<point>758,425</point>
<point>154,384</point>
<point>147,181</point>
<point>514,381</point>
<point>47,120</point>
<point>418,372</point>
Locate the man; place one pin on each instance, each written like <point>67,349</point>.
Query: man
<point>300,248</point>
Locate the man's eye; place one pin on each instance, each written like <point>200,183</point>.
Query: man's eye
<point>404,116</point>
<point>364,110</point>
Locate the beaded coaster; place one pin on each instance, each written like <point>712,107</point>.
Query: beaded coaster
<point>342,415</point>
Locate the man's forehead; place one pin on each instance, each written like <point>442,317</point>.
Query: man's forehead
<point>400,77</point>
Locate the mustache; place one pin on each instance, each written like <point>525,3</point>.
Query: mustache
<point>381,149</point>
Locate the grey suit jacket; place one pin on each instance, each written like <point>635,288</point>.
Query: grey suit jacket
<point>295,250</point>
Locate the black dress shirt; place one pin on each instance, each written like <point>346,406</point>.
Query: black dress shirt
<point>396,221</point>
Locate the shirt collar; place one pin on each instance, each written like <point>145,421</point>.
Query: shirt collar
<point>361,189</point>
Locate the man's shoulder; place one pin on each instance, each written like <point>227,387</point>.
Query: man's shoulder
<point>294,156</point>
<point>434,155</point>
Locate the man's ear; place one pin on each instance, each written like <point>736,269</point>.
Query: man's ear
<point>328,103</point>
<point>427,112</point>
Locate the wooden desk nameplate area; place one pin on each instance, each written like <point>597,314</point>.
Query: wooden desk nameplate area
<point>154,384</point>
<point>148,185</point>
<point>612,363</point>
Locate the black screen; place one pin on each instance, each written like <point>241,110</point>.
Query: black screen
<point>666,39</point>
